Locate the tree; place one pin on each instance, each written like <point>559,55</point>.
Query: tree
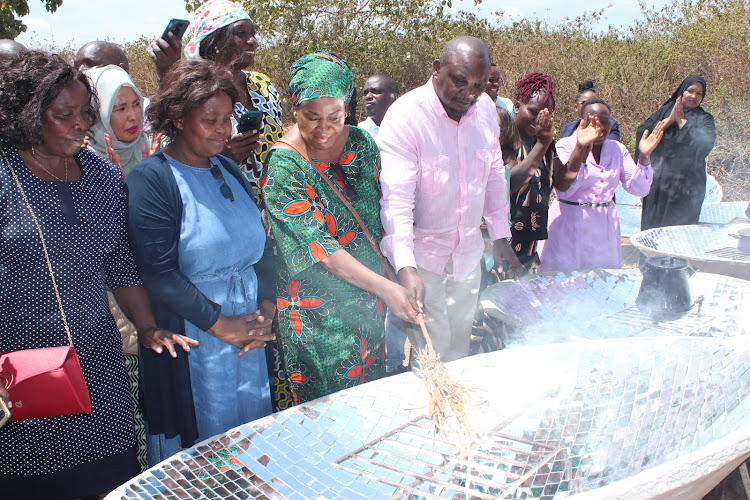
<point>398,37</point>
<point>10,27</point>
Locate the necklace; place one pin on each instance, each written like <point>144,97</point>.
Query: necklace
<point>65,162</point>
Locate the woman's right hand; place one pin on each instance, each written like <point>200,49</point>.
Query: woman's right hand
<point>164,54</point>
<point>245,332</point>
<point>588,131</point>
<point>240,146</point>
<point>111,154</point>
<point>676,116</point>
<point>544,127</point>
<point>400,302</point>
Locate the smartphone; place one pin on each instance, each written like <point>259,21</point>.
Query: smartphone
<point>250,120</point>
<point>177,27</point>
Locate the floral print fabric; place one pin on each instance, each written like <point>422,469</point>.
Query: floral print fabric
<point>332,332</point>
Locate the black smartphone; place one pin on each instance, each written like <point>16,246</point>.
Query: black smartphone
<point>177,27</point>
<point>250,120</point>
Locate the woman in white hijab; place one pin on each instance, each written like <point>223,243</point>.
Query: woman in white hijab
<point>118,135</point>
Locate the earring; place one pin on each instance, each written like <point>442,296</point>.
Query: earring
<point>32,151</point>
<point>216,50</point>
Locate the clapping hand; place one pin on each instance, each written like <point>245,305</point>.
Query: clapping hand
<point>649,141</point>
<point>544,127</point>
<point>676,116</point>
<point>154,146</point>
<point>112,154</point>
<point>588,131</point>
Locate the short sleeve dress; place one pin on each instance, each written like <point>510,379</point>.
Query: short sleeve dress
<point>85,230</point>
<point>332,332</point>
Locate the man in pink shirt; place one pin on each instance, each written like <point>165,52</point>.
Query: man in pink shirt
<point>442,171</point>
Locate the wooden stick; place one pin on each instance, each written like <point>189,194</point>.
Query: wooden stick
<point>420,319</point>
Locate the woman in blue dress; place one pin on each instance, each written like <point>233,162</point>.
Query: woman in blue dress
<point>200,244</point>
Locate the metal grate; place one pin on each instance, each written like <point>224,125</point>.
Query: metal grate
<point>640,321</point>
<point>724,213</point>
<point>411,458</point>
<point>730,253</point>
<point>701,242</point>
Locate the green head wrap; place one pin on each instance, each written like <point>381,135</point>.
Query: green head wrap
<point>320,74</point>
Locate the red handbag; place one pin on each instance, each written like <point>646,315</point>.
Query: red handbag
<point>46,382</point>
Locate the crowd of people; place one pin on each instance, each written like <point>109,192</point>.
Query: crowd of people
<point>265,267</point>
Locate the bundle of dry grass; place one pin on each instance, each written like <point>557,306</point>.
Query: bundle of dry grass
<point>447,398</point>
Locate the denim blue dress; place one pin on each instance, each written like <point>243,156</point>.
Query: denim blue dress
<point>220,241</point>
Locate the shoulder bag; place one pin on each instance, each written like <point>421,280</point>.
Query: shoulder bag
<point>351,209</point>
<point>46,382</point>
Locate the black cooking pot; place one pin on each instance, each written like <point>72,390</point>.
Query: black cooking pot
<point>743,237</point>
<point>665,292</point>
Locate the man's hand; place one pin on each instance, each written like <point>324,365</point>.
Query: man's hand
<point>502,251</point>
<point>410,280</point>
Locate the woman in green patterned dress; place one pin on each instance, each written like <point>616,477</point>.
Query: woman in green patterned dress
<point>331,287</point>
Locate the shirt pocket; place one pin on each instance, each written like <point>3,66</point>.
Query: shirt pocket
<point>482,168</point>
<point>434,174</point>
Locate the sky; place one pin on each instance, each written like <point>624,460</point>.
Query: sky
<point>79,21</point>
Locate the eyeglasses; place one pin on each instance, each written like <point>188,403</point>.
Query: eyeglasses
<point>226,191</point>
<point>349,191</point>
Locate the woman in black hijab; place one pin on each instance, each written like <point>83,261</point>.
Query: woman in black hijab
<point>679,161</point>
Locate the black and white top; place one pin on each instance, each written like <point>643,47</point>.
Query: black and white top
<point>85,229</point>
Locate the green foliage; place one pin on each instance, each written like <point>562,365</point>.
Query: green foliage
<point>10,27</point>
<point>636,69</point>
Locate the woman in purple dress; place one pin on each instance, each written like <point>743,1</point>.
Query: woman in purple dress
<point>584,232</point>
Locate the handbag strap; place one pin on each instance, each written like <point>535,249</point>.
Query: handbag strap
<point>44,246</point>
<point>349,207</point>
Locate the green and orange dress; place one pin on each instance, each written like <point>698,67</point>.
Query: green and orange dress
<point>332,332</point>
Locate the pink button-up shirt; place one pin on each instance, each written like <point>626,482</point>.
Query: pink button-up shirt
<point>439,178</point>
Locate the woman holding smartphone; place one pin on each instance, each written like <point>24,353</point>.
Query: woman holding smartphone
<point>221,31</point>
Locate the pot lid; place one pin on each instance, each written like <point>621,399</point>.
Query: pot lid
<point>664,262</point>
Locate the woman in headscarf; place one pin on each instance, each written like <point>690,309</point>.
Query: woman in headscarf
<point>118,135</point>
<point>223,32</point>
<point>679,161</point>
<point>331,287</point>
